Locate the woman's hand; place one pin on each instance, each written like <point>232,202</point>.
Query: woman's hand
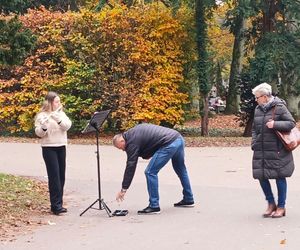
<point>58,109</point>
<point>44,121</point>
<point>56,116</point>
<point>270,124</point>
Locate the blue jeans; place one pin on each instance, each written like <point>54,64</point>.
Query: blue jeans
<point>281,189</point>
<point>174,151</point>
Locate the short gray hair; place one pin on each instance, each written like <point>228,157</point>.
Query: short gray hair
<point>263,88</point>
<point>116,139</point>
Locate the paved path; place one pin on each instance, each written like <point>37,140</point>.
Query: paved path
<point>227,214</point>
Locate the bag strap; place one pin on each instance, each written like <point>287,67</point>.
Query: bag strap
<point>273,112</point>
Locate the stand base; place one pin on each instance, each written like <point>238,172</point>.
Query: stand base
<point>102,205</point>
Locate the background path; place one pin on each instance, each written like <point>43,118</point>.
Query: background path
<point>227,215</point>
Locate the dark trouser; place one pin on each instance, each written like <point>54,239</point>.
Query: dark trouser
<point>281,190</point>
<point>55,160</point>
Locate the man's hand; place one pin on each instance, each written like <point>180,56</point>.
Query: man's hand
<point>120,195</point>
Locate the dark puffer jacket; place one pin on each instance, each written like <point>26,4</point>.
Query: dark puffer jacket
<point>270,159</point>
<point>144,140</point>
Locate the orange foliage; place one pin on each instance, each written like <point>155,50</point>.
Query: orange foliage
<point>128,60</point>
<point>221,40</point>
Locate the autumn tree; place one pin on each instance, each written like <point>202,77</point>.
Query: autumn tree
<point>220,48</point>
<point>16,42</point>
<point>161,92</point>
<point>128,60</point>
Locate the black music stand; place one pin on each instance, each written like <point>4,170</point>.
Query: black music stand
<point>93,126</point>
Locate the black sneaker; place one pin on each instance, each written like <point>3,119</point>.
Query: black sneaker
<point>59,211</point>
<point>150,210</point>
<point>183,203</point>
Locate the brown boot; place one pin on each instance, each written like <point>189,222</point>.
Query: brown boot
<point>270,210</point>
<point>280,212</point>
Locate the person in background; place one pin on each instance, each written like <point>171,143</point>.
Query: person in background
<point>270,159</point>
<point>51,125</point>
<point>160,144</point>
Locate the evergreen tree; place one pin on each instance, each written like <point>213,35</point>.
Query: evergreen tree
<point>15,41</point>
<point>21,6</point>
<point>274,37</point>
<point>15,6</point>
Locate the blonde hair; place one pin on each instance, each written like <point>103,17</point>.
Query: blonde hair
<point>47,104</point>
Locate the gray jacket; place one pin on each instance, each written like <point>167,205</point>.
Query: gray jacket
<point>270,159</point>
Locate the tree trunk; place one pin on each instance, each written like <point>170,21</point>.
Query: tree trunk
<point>290,77</point>
<point>232,99</point>
<point>202,64</point>
<point>204,117</point>
<point>73,6</point>
<point>290,96</point>
<point>248,128</point>
<point>289,92</point>
<point>195,97</point>
<point>219,82</point>
<point>269,14</point>
<point>293,102</point>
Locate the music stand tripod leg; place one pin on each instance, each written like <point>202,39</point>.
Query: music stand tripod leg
<point>89,207</point>
<point>108,211</point>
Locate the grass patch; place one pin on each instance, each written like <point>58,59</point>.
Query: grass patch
<point>21,199</point>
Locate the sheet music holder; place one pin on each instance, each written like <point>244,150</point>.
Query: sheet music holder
<point>96,121</point>
<point>94,125</point>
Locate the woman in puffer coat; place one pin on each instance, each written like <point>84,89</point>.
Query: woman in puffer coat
<point>270,159</point>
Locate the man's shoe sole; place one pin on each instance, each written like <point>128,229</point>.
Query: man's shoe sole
<point>192,205</point>
<point>148,213</point>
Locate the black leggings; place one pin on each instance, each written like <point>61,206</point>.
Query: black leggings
<point>55,160</point>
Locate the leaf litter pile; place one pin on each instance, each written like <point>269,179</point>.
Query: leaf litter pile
<point>224,131</point>
<point>23,201</point>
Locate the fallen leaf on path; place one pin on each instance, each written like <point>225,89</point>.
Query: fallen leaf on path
<point>282,242</point>
<point>51,223</point>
